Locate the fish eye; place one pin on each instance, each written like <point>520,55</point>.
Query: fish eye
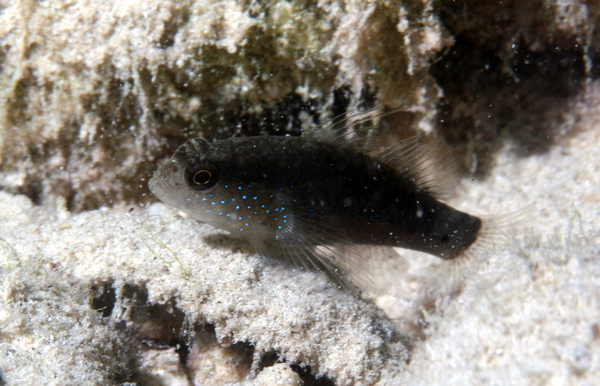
<point>202,177</point>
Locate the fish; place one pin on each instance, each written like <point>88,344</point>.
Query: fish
<point>320,199</point>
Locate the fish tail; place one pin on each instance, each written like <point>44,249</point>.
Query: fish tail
<point>497,232</point>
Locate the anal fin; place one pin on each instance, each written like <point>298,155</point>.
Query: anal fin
<point>311,245</point>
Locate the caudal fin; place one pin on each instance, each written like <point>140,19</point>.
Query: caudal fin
<point>497,232</point>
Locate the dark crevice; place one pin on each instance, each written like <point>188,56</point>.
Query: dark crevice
<point>237,357</point>
<point>490,96</point>
<point>143,325</point>
<point>179,17</point>
<point>17,102</point>
<point>32,190</point>
<point>157,326</point>
<point>267,359</point>
<point>239,119</point>
<point>341,100</point>
<point>595,66</point>
<point>182,349</point>
<point>282,119</point>
<point>271,358</point>
<point>104,298</point>
<point>368,98</point>
<point>148,326</point>
<point>309,379</point>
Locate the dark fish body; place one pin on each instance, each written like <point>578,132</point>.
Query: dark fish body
<point>298,193</point>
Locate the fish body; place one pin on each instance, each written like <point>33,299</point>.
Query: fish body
<point>264,188</point>
<point>288,196</point>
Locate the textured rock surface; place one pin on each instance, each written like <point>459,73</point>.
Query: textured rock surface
<point>96,92</point>
<point>160,281</point>
<point>92,95</point>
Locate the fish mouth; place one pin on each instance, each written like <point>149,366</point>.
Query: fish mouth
<point>157,186</point>
<point>161,184</point>
<point>166,181</point>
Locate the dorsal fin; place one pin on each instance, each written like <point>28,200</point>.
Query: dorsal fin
<point>359,130</point>
<point>426,159</point>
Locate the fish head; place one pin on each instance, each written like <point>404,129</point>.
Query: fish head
<point>186,178</point>
<point>211,183</point>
